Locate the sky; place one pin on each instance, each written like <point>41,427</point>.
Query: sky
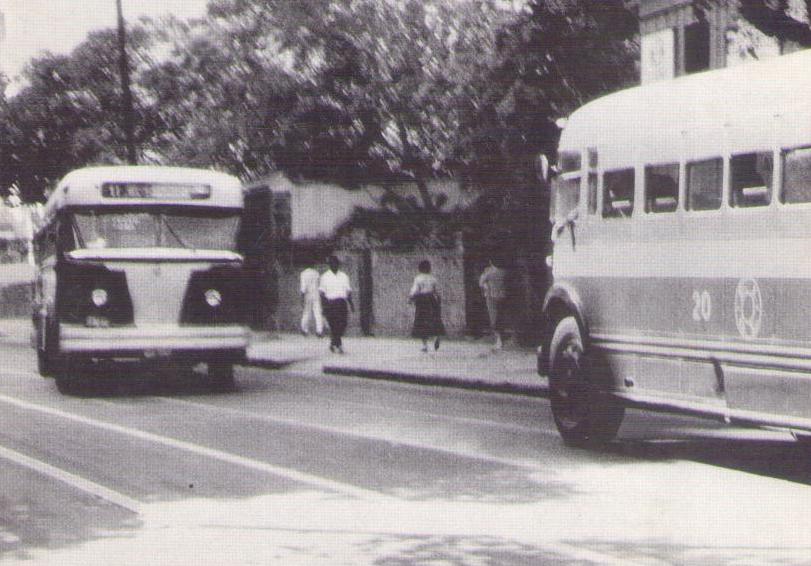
<point>32,26</point>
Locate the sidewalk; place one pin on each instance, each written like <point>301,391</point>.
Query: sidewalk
<point>468,364</point>
<point>458,363</point>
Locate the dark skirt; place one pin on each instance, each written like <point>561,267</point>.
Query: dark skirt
<point>427,317</point>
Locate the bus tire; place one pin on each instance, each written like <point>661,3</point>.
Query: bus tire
<point>48,360</point>
<point>584,415</point>
<point>67,381</point>
<point>221,376</point>
<point>44,365</point>
<point>72,376</point>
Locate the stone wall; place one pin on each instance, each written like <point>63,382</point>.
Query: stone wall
<point>287,312</point>
<point>392,276</point>
<point>381,281</point>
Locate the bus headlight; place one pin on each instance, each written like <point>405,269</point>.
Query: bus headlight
<point>99,297</point>
<point>213,298</point>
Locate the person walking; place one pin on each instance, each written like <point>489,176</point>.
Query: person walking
<point>310,301</point>
<point>336,293</point>
<point>427,310</point>
<point>494,288</point>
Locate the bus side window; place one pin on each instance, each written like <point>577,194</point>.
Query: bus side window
<point>704,182</point>
<point>618,193</point>
<point>796,175</point>
<point>566,193</point>
<point>662,188</point>
<point>750,180</point>
<point>566,186</point>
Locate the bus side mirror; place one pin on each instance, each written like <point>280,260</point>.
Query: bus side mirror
<point>543,170</point>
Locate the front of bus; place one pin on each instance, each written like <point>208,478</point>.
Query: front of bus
<point>149,268</point>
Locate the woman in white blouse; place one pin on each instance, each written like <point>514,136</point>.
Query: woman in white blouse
<point>427,313</point>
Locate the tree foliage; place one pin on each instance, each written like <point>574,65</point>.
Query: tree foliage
<point>785,20</point>
<point>69,114</point>
<point>391,92</point>
<point>557,56</point>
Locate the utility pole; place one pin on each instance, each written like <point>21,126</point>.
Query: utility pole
<point>128,112</point>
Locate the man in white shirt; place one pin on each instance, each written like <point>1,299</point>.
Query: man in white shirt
<point>336,293</point>
<point>310,301</point>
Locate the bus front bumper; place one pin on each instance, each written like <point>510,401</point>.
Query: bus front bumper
<point>152,340</point>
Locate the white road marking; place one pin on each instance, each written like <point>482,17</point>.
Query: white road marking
<point>343,432</point>
<point>72,480</point>
<point>295,475</point>
<point>555,547</point>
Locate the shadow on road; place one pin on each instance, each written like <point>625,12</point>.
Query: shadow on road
<point>782,459</point>
<point>122,381</point>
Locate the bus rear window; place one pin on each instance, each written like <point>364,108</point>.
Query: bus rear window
<point>662,188</point>
<point>618,193</point>
<point>704,181</point>
<point>797,175</point>
<point>750,179</point>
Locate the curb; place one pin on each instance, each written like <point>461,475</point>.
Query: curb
<point>439,381</point>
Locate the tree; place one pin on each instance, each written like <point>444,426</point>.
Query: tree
<point>221,94</point>
<point>554,58</point>
<point>785,20</point>
<point>68,115</point>
<point>380,87</point>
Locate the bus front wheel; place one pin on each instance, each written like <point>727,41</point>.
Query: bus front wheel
<point>584,415</point>
<point>70,377</point>
<point>221,376</point>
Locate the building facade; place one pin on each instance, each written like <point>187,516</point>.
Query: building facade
<point>679,37</point>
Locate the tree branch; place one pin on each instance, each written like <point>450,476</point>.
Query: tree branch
<point>776,23</point>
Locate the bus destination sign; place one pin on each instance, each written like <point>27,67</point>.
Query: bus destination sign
<point>158,191</point>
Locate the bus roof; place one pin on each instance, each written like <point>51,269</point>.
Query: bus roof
<point>749,107</point>
<point>130,185</point>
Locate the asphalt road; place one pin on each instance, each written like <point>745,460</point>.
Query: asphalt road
<point>310,469</point>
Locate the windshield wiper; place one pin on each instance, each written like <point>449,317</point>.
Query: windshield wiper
<point>173,233</point>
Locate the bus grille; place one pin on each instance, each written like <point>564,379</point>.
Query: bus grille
<point>75,296</point>
<point>219,295</point>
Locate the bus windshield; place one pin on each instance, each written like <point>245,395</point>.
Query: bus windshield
<point>149,229</point>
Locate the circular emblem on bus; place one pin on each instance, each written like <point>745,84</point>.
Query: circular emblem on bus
<point>748,308</point>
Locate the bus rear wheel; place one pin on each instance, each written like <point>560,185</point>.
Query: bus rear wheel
<point>584,415</point>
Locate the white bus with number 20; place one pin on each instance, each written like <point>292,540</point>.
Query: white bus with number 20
<point>682,253</point>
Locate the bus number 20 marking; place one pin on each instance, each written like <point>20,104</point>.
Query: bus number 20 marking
<point>702,306</point>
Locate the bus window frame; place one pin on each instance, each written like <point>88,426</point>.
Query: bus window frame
<point>724,196</point>
<point>593,171</point>
<point>634,196</point>
<point>771,188</point>
<point>779,166</point>
<point>679,176</point>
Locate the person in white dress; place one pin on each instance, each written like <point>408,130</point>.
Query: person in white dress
<point>311,301</point>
